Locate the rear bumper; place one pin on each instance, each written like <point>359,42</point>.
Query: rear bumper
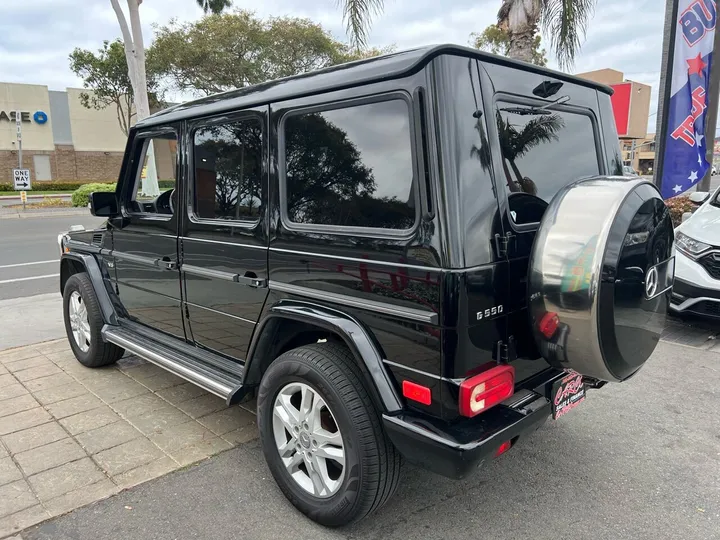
<point>457,450</point>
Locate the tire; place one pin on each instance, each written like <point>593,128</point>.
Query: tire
<point>98,353</point>
<point>372,464</point>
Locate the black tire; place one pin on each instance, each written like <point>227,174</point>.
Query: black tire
<point>99,353</point>
<point>372,464</point>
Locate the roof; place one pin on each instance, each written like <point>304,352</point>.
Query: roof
<point>376,69</point>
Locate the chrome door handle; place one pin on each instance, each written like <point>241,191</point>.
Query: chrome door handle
<point>168,264</point>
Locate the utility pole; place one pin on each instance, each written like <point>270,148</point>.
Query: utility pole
<point>712,114</point>
<point>18,126</point>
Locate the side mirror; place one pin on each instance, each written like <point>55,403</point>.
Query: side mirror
<point>103,204</point>
<point>686,216</point>
<point>699,197</point>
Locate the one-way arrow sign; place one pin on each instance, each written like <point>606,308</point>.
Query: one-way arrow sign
<point>21,178</point>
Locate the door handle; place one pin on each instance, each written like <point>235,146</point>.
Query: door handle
<point>168,264</point>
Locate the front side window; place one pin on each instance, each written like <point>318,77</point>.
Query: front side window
<point>228,170</point>
<point>350,167</point>
<point>155,176</point>
<point>543,150</point>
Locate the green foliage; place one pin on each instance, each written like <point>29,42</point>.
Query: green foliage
<point>678,206</point>
<point>214,6</point>
<point>496,40</point>
<point>50,186</point>
<point>233,50</point>
<point>81,196</point>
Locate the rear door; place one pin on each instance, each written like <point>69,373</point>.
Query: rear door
<point>536,152</point>
<point>145,250</point>
<point>224,234</point>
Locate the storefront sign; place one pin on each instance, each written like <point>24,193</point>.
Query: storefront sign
<point>9,116</point>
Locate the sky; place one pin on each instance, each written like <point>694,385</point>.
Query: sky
<point>36,36</point>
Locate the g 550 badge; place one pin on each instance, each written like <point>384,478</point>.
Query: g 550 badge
<point>489,312</point>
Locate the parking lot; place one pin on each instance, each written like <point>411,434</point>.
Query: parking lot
<point>638,460</point>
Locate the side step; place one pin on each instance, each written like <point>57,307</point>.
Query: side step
<point>179,360</point>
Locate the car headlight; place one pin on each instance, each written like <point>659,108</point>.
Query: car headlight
<point>690,246</point>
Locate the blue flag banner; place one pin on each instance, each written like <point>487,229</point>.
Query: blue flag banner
<point>684,161</point>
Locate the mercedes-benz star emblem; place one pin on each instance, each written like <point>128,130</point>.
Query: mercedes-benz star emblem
<point>651,282</point>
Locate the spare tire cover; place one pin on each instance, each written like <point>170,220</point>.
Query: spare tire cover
<point>600,276</point>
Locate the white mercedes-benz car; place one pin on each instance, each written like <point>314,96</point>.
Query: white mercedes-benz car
<point>697,264</point>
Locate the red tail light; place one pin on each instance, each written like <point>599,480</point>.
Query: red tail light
<point>504,447</point>
<point>548,324</point>
<point>479,393</point>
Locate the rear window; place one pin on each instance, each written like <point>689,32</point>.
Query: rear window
<point>543,151</point>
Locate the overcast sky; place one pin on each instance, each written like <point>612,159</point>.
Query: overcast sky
<point>36,36</point>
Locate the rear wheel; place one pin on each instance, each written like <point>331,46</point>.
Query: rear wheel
<point>83,323</point>
<point>322,437</point>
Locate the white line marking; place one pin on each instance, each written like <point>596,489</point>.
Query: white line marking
<point>28,264</point>
<point>28,278</point>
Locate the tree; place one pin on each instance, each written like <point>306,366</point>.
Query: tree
<point>496,40</point>
<point>565,21</point>
<point>233,50</point>
<point>357,15</point>
<point>135,55</point>
<point>106,74</point>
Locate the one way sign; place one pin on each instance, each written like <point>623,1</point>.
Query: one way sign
<point>22,179</point>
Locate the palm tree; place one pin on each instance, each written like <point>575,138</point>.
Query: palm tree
<point>357,16</point>
<point>516,143</point>
<point>564,21</point>
<point>214,6</point>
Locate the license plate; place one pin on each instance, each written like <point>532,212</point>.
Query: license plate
<point>567,393</point>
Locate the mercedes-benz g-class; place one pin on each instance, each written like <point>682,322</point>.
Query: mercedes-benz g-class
<point>424,255</point>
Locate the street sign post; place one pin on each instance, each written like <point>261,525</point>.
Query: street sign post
<point>21,177</point>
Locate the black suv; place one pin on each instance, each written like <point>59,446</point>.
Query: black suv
<point>423,255</point>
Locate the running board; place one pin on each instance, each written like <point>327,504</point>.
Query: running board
<point>179,360</point>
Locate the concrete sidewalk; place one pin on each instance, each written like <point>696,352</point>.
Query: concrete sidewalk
<point>15,213</point>
<point>31,319</point>
<point>70,435</point>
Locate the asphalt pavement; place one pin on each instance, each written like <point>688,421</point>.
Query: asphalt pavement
<point>29,253</point>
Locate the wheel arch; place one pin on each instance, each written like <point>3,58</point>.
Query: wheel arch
<point>73,263</point>
<point>291,324</point>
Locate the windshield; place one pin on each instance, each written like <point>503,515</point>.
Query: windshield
<point>543,151</point>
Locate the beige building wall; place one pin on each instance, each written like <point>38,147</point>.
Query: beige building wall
<point>94,130</point>
<point>28,98</point>
<point>603,76</point>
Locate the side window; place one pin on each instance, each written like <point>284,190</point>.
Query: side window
<point>155,176</point>
<point>228,170</point>
<point>350,167</point>
<point>543,151</point>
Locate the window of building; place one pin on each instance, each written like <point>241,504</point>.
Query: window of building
<point>350,167</point>
<point>156,175</point>
<point>543,151</point>
<point>228,170</point>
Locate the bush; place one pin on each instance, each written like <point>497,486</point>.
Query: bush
<point>81,196</point>
<point>54,186</point>
<point>678,206</point>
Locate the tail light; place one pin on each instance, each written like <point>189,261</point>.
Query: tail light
<point>485,390</point>
<point>504,447</point>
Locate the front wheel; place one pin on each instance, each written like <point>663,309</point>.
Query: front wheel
<point>322,437</point>
<point>83,324</point>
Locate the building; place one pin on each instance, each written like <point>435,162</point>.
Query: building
<point>61,139</point>
<point>631,108</point>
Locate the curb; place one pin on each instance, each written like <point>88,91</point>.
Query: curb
<point>28,214</point>
<point>50,196</point>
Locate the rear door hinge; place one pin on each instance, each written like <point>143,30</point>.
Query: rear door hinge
<point>504,244</point>
<point>506,352</point>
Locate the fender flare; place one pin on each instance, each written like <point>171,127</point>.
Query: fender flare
<point>346,327</point>
<point>92,268</point>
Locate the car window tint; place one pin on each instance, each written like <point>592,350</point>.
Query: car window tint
<point>543,151</point>
<point>228,170</point>
<point>351,167</point>
<point>155,176</point>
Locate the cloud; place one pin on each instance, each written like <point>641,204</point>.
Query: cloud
<point>36,36</point>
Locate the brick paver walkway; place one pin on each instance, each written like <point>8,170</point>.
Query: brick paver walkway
<point>70,435</point>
